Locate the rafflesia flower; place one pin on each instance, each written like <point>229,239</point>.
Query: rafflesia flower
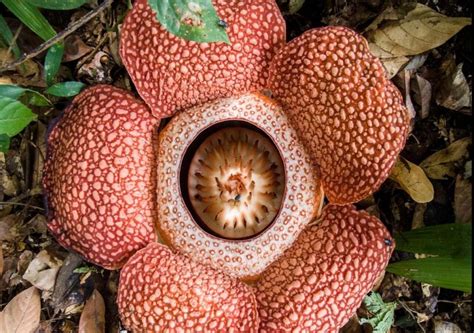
<point>217,219</point>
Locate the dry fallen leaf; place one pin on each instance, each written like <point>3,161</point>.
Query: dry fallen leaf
<point>441,164</point>
<point>446,327</point>
<point>421,30</point>
<point>1,260</point>
<point>453,91</point>
<point>422,95</point>
<point>42,271</point>
<point>413,180</point>
<point>93,316</point>
<point>22,313</point>
<point>396,34</point>
<point>463,200</point>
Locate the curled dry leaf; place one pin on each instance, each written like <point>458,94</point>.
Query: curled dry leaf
<point>463,200</point>
<point>1,260</point>
<point>446,327</point>
<point>453,91</point>
<point>413,180</point>
<point>93,316</point>
<point>442,164</point>
<point>42,271</point>
<point>22,313</point>
<point>396,34</point>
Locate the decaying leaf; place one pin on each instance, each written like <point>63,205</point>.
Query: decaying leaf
<point>413,180</point>
<point>421,30</point>
<point>295,5</point>
<point>463,200</point>
<point>453,91</point>
<point>75,48</point>
<point>22,313</point>
<point>42,271</point>
<point>398,33</point>
<point>1,260</point>
<point>446,327</point>
<point>418,216</point>
<point>93,316</point>
<point>422,95</point>
<point>441,164</point>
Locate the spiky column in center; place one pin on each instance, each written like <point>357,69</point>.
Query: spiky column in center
<point>236,182</point>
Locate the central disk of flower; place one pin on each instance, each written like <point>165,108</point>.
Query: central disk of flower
<point>236,182</point>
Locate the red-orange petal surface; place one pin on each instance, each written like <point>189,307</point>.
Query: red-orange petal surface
<point>350,116</point>
<point>171,73</point>
<point>160,291</point>
<point>99,176</point>
<point>318,284</point>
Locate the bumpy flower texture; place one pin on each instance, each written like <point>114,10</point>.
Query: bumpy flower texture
<point>260,256</point>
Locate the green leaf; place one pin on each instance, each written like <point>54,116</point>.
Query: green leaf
<point>14,116</point>
<point>65,89</point>
<point>383,313</point>
<point>58,4</point>
<point>52,62</point>
<point>195,20</point>
<point>4,143</point>
<point>31,17</point>
<point>445,240</point>
<point>7,35</point>
<point>16,92</point>
<point>446,272</point>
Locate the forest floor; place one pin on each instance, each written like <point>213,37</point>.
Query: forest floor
<point>438,84</point>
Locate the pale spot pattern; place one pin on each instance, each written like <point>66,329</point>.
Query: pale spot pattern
<point>171,73</point>
<point>99,176</point>
<point>319,283</point>
<point>165,292</point>
<point>301,201</point>
<point>348,114</point>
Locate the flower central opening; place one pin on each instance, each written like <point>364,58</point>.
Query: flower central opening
<point>235,182</point>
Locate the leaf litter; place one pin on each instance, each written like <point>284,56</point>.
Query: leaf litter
<point>422,46</point>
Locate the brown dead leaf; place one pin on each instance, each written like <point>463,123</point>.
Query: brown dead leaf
<point>22,313</point>
<point>421,30</point>
<point>453,91</point>
<point>441,164</point>
<point>422,95</point>
<point>463,200</point>
<point>1,260</point>
<point>93,316</point>
<point>412,180</point>
<point>75,48</point>
<point>42,271</point>
<point>418,216</point>
<point>446,327</point>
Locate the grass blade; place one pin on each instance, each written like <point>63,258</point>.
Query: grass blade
<point>31,17</point>
<point>446,272</point>
<point>52,62</point>
<point>58,4</point>
<point>452,239</point>
<point>7,35</point>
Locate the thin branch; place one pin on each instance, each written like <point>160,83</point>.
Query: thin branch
<point>59,37</point>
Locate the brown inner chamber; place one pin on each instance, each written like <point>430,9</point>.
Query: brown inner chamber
<point>235,182</point>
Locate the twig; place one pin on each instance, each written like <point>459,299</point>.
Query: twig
<point>59,37</point>
<point>8,203</point>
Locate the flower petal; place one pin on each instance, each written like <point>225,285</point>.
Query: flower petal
<point>171,73</point>
<point>318,283</point>
<point>99,176</point>
<point>161,291</point>
<point>350,116</point>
